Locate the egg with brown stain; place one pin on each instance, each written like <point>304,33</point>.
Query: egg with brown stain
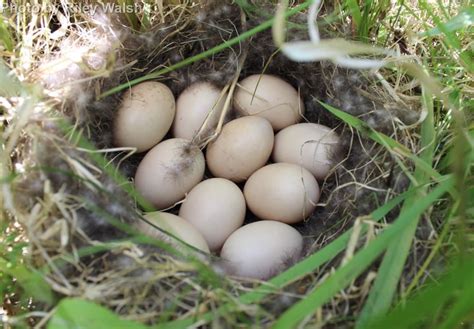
<point>168,171</point>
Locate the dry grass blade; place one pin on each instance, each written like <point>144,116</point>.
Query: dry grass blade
<point>336,50</point>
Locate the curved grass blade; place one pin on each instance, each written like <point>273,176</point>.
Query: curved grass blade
<point>336,50</point>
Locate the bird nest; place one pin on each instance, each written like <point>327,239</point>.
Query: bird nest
<point>71,191</point>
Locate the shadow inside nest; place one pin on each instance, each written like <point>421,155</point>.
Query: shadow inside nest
<point>364,178</point>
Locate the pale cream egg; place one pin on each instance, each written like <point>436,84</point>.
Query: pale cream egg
<point>174,225</point>
<point>261,249</point>
<point>216,207</point>
<point>310,145</point>
<point>269,97</point>
<point>283,192</point>
<point>145,116</point>
<point>199,103</point>
<point>168,171</point>
<point>243,146</point>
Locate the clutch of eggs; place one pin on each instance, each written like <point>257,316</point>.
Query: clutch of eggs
<point>213,211</point>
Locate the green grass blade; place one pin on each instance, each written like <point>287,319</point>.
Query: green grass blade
<point>32,281</point>
<point>75,313</point>
<point>463,307</point>
<point>5,36</point>
<point>382,292</point>
<point>421,311</point>
<point>145,22</point>
<point>354,8</point>
<point>363,29</point>
<point>352,269</point>
<point>226,44</point>
<point>131,17</point>
<point>462,20</point>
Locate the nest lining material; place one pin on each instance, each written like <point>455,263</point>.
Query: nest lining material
<point>62,188</point>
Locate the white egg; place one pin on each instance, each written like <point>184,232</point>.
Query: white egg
<point>269,97</point>
<point>168,171</point>
<point>199,102</point>
<point>243,146</point>
<point>216,207</point>
<point>262,249</point>
<point>283,192</point>
<point>144,116</point>
<point>308,144</point>
<point>174,225</point>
